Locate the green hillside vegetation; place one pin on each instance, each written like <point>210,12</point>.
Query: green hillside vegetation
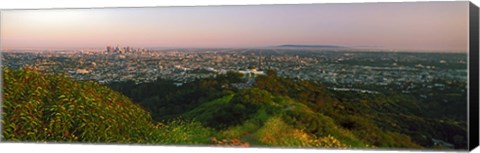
<point>55,108</point>
<point>275,111</point>
<point>299,107</point>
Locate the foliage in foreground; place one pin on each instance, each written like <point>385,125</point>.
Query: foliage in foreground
<point>274,112</point>
<point>54,108</point>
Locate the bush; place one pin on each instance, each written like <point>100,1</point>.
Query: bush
<point>182,132</point>
<point>54,108</point>
<point>275,132</point>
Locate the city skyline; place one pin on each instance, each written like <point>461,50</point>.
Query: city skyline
<point>434,26</point>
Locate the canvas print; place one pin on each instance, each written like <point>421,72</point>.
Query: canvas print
<point>338,76</point>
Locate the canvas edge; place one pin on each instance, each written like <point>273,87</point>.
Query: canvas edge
<point>473,83</point>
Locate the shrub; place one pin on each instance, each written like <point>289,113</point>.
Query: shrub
<point>276,132</point>
<point>182,132</point>
<point>54,108</point>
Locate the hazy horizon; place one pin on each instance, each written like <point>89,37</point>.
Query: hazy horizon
<point>409,26</point>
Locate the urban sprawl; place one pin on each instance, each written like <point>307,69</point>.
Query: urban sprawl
<point>343,69</point>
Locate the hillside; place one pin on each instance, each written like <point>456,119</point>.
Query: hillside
<point>274,111</point>
<point>353,119</point>
<point>55,108</point>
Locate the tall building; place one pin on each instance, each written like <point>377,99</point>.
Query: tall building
<point>117,49</point>
<point>109,49</point>
<point>127,49</point>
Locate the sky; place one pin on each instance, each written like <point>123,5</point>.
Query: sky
<point>422,26</point>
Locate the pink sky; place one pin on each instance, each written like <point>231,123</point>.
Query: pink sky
<point>436,26</point>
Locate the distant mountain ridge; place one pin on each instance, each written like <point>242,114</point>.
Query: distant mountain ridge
<point>310,46</point>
